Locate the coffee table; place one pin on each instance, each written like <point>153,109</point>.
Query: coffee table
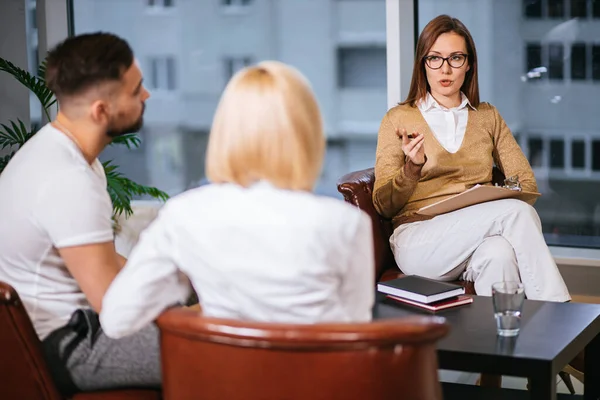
<point>551,335</point>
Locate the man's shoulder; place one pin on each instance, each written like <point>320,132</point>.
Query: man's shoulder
<point>46,153</point>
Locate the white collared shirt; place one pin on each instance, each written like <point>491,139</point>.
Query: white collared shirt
<point>257,253</point>
<point>448,125</point>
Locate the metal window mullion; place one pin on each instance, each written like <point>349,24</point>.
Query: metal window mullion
<point>400,43</point>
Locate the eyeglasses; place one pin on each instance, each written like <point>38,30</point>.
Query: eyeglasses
<point>455,61</point>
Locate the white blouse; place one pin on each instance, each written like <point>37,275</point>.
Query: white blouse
<point>448,125</point>
<point>257,253</point>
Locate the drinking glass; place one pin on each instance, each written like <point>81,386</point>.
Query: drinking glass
<point>508,298</point>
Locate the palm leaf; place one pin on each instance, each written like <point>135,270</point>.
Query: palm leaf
<point>35,84</point>
<point>42,71</point>
<point>131,140</point>
<point>42,76</point>
<point>4,160</point>
<point>15,135</point>
<point>121,190</point>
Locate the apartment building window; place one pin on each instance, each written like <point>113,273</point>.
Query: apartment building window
<point>235,3</point>
<point>361,67</point>
<point>596,62</point>
<point>556,8</point>
<point>579,8</point>
<point>160,3</point>
<point>556,61</point>
<point>162,73</point>
<point>578,61</point>
<point>596,8</point>
<point>534,60</point>
<point>536,151</point>
<point>234,64</point>
<point>596,155</point>
<point>557,153</point>
<point>533,8</point>
<point>578,154</point>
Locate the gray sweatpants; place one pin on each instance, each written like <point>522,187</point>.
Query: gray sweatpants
<point>82,358</point>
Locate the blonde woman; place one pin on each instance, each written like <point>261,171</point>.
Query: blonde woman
<point>256,243</point>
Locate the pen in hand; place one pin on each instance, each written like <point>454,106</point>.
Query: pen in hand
<point>412,146</point>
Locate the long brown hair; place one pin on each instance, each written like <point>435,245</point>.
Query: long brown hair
<point>436,27</point>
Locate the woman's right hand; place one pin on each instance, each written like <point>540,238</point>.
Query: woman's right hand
<point>413,148</point>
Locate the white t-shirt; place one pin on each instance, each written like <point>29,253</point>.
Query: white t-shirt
<point>257,253</point>
<point>50,198</point>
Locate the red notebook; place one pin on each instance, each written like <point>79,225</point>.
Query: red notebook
<point>438,305</point>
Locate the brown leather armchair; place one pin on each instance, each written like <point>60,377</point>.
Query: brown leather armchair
<point>210,358</point>
<point>23,370</point>
<point>357,189</point>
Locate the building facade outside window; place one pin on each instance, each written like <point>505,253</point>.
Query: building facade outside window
<point>206,46</point>
<point>539,64</point>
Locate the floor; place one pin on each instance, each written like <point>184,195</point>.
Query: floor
<point>511,382</point>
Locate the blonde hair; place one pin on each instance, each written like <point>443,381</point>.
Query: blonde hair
<point>267,127</point>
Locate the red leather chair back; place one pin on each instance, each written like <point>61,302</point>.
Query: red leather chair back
<point>23,371</point>
<point>215,359</point>
<point>357,189</point>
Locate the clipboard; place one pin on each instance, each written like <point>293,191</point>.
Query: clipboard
<point>475,195</point>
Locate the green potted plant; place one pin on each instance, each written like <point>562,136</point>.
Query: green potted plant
<point>13,135</point>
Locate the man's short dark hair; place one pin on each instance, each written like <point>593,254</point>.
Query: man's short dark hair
<point>83,61</point>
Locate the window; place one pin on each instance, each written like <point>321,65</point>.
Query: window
<point>534,61</point>
<point>536,151</point>
<point>596,155</point>
<point>202,46</point>
<point>361,67</point>
<point>162,73</point>
<point>533,8</point>
<point>556,8</point>
<point>160,3</point>
<point>596,62</point>
<point>578,154</point>
<point>578,61</point>
<point>557,153</point>
<point>234,64</point>
<point>578,8</point>
<point>596,8</point>
<point>234,3</point>
<point>556,61</point>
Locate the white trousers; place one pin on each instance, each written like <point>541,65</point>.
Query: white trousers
<point>486,243</point>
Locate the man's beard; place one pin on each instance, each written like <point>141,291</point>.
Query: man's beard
<point>114,132</point>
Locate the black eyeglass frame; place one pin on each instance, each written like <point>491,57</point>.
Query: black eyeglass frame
<point>427,60</point>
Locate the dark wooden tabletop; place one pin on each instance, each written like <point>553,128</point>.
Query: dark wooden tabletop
<point>551,335</point>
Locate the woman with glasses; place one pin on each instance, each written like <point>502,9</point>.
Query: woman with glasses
<point>439,142</point>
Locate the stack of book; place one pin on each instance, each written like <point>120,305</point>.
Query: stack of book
<point>424,293</point>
